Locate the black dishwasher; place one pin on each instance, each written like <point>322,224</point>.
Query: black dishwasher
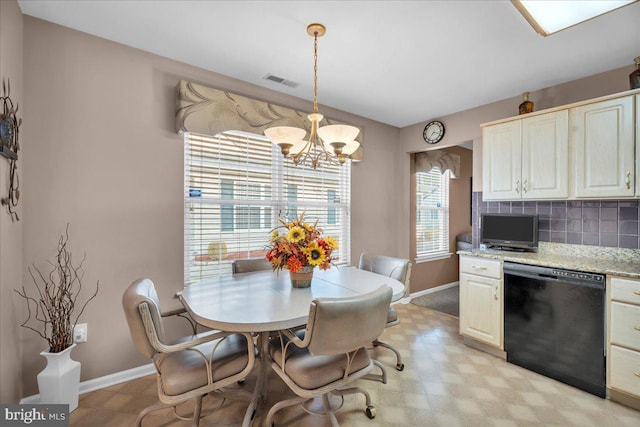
<point>554,324</point>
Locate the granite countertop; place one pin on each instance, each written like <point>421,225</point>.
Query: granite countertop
<point>592,259</point>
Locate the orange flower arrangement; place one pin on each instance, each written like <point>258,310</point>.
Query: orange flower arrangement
<point>301,245</point>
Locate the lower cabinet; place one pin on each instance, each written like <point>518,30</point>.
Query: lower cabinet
<point>482,318</point>
<point>481,309</point>
<point>624,336</point>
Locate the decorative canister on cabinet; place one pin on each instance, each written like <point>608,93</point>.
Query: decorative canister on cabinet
<point>634,77</point>
<point>526,106</point>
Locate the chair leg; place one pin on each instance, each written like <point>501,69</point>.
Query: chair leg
<point>375,377</point>
<point>370,410</point>
<point>197,411</point>
<point>281,405</point>
<point>146,411</point>
<point>329,412</point>
<point>399,364</point>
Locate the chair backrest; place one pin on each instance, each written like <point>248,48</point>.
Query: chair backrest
<point>396,268</point>
<point>341,325</point>
<point>142,291</point>
<point>246,265</point>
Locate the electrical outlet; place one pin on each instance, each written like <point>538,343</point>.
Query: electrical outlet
<point>80,333</point>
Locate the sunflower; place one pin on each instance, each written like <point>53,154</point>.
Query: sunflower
<point>296,234</point>
<point>274,235</point>
<point>315,254</point>
<point>331,242</point>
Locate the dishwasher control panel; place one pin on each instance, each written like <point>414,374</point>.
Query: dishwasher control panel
<point>591,277</point>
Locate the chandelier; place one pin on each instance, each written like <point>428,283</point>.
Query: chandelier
<point>331,144</point>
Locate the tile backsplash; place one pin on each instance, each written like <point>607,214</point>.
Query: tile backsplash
<point>612,223</point>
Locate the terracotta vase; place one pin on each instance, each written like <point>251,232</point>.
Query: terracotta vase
<point>302,278</point>
<point>59,382</point>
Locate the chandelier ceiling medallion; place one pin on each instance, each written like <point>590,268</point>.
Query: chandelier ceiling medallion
<point>332,143</point>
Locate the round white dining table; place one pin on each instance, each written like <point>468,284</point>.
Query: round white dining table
<point>265,301</point>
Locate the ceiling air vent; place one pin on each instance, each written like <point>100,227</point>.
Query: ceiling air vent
<point>280,80</point>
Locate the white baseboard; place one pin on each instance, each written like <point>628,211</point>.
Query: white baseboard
<point>105,381</point>
<point>432,290</point>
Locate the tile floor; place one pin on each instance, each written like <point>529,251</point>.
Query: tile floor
<point>445,383</point>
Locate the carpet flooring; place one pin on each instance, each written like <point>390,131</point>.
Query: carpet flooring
<point>446,301</point>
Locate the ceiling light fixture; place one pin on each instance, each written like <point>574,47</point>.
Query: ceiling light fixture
<point>332,144</point>
<point>548,17</point>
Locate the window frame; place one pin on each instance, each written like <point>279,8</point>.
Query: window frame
<point>233,195</point>
<point>443,251</point>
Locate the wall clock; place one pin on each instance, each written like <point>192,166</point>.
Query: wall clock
<point>433,132</point>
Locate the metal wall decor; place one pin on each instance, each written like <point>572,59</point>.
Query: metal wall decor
<point>9,146</point>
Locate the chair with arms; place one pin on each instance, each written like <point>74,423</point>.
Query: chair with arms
<point>396,268</point>
<point>246,265</point>
<point>331,352</point>
<point>190,367</point>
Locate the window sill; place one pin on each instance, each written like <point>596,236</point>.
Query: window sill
<point>434,257</point>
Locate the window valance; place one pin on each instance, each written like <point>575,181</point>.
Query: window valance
<point>210,111</point>
<point>427,160</point>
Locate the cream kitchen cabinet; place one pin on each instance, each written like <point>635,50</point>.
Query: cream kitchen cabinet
<point>527,158</point>
<point>602,139</point>
<point>481,308</point>
<point>624,336</point>
<point>637,145</point>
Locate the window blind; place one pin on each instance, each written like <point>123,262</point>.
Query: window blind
<point>238,187</point>
<point>432,213</point>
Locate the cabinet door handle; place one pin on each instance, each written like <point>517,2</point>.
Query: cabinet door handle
<point>478,268</point>
<point>627,180</point>
<point>495,293</point>
<point>524,186</point>
<point>518,186</point>
<point>636,292</point>
<point>637,328</point>
<point>637,374</point>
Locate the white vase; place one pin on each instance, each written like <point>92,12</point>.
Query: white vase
<point>59,382</point>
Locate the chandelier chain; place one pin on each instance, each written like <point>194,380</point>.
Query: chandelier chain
<point>315,72</point>
<point>315,150</point>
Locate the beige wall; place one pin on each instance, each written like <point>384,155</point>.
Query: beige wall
<point>430,274</point>
<point>104,156</point>
<point>11,232</point>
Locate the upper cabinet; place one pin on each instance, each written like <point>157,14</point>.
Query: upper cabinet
<point>578,151</point>
<point>602,136</point>
<point>501,161</point>
<point>527,158</point>
<point>638,145</point>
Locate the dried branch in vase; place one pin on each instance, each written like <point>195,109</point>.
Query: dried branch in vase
<point>50,313</point>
